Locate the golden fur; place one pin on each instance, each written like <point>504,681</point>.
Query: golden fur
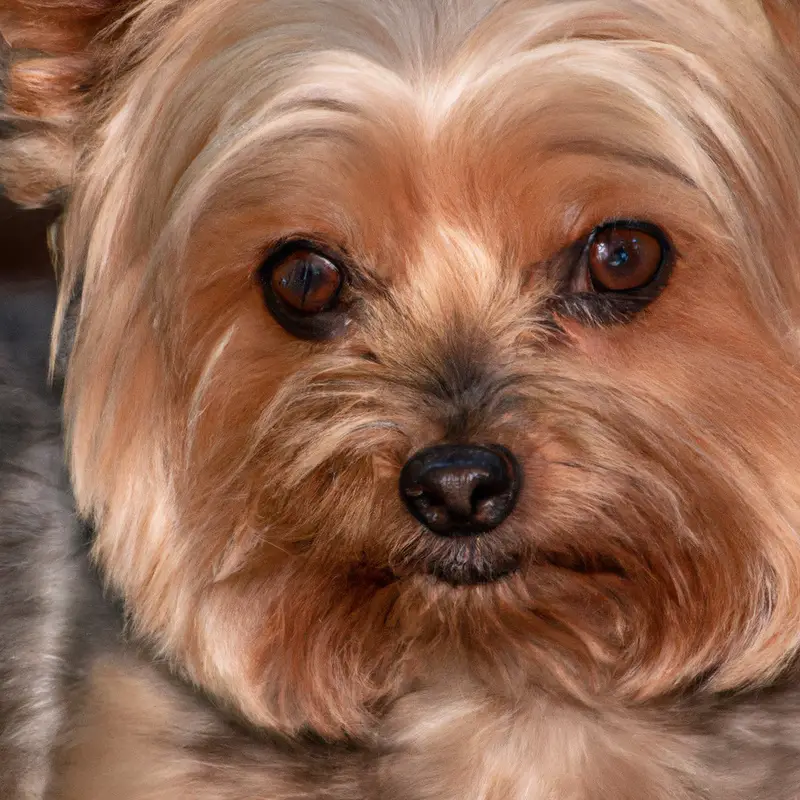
<point>243,484</point>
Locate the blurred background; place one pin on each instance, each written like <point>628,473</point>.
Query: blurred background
<point>23,246</point>
<point>27,291</point>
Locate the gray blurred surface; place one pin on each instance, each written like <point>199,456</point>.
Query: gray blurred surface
<point>27,287</point>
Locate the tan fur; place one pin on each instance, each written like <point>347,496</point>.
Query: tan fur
<point>473,747</point>
<point>140,738</point>
<point>129,721</point>
<point>244,483</point>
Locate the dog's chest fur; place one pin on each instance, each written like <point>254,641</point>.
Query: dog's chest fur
<point>436,745</point>
<point>142,737</point>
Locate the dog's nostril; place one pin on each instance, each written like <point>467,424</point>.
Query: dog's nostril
<point>460,490</point>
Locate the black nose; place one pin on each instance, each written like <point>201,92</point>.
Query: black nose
<point>459,490</point>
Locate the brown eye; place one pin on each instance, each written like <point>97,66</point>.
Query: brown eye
<point>302,285</point>
<point>306,281</point>
<point>624,257</point>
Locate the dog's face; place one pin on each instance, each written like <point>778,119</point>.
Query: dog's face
<point>435,337</point>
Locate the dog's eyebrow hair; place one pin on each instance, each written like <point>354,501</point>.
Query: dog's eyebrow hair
<point>637,159</point>
<point>319,104</point>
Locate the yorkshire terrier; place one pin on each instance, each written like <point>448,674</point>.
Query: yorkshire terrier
<point>432,403</point>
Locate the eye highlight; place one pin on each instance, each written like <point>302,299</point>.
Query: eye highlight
<point>302,287</point>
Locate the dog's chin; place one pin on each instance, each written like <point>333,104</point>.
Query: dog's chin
<point>467,563</point>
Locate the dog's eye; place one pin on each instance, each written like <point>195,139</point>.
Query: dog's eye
<point>623,257</point>
<point>615,272</point>
<point>302,288</point>
<point>306,281</point>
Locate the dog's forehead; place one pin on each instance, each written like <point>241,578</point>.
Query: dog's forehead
<point>366,125</point>
<point>527,159</point>
<point>537,130</point>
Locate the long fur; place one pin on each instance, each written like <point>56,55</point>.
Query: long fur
<point>243,484</point>
<point>40,586</point>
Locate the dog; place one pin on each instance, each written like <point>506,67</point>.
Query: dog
<point>432,399</point>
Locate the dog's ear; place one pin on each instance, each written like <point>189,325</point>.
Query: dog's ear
<point>52,54</point>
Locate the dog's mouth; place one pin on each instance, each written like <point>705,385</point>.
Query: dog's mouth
<point>473,561</point>
<point>469,565</point>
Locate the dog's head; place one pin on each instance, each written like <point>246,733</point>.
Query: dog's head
<point>429,336</point>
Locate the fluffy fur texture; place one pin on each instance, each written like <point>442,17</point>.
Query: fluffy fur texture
<point>243,483</point>
<point>40,572</point>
